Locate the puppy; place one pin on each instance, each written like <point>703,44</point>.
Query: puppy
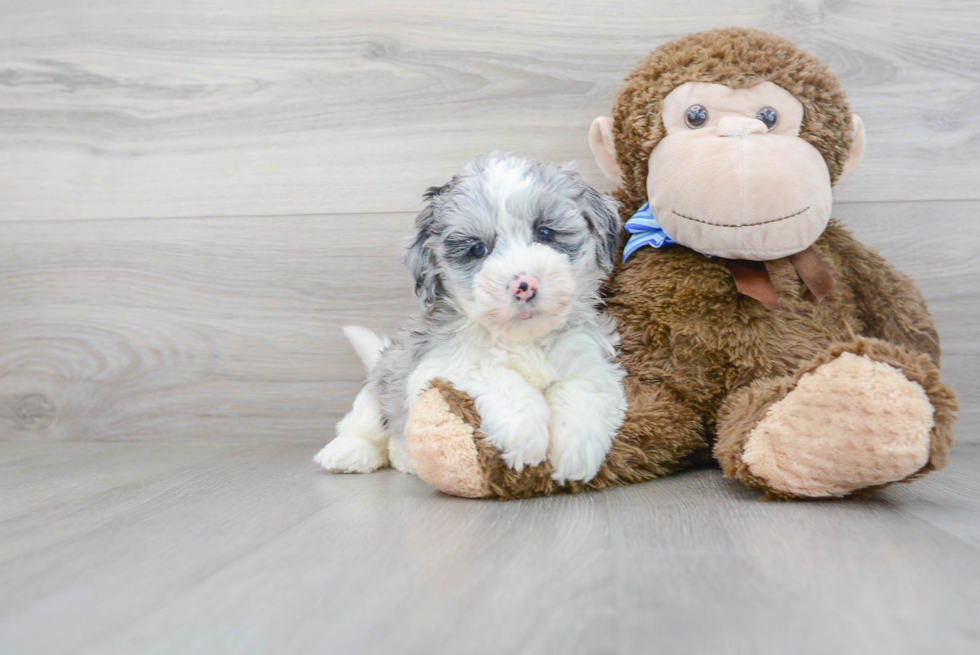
<point>507,261</point>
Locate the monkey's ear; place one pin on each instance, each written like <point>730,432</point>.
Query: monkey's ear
<point>604,149</point>
<point>418,259</point>
<point>857,149</point>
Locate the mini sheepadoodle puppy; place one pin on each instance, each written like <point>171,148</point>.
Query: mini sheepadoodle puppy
<point>507,262</point>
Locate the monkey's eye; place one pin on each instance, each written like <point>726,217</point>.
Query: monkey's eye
<point>546,234</point>
<point>768,116</point>
<point>479,251</point>
<point>696,116</point>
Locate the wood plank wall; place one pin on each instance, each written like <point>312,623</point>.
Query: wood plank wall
<point>195,196</point>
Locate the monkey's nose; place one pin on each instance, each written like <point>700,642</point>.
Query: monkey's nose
<point>740,126</point>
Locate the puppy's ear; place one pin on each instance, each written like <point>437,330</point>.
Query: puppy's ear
<point>603,216</point>
<point>418,259</point>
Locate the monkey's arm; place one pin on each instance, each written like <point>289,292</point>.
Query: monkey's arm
<point>448,450</point>
<point>889,305</point>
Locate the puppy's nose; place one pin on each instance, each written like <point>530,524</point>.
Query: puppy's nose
<point>524,287</point>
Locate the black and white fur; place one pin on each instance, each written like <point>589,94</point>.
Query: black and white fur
<point>540,369</point>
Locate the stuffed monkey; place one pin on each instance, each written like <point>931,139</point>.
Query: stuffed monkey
<point>756,331</point>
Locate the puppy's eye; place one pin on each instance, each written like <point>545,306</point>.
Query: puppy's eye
<point>546,234</point>
<point>479,251</point>
<point>768,116</point>
<point>696,116</point>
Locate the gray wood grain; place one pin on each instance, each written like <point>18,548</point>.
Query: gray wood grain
<point>234,548</point>
<point>706,571</point>
<point>191,329</point>
<point>229,329</point>
<point>127,110</point>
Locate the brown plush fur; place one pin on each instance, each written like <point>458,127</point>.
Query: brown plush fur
<point>703,362</point>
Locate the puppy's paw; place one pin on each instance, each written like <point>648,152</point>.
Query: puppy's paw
<point>575,453</point>
<point>582,428</point>
<point>530,449</point>
<point>516,424</point>
<point>351,455</point>
<point>398,456</point>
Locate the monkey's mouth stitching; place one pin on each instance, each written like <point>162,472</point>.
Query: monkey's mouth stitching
<point>774,220</point>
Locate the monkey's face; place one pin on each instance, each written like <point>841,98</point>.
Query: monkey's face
<point>732,177</point>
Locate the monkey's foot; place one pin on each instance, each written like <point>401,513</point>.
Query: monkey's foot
<point>850,424</point>
<point>861,417</point>
<point>441,443</point>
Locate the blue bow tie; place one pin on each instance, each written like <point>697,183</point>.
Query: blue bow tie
<point>646,231</point>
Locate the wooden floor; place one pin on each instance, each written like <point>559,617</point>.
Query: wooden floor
<point>195,196</point>
<point>245,548</point>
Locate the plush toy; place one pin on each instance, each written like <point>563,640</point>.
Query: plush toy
<point>756,331</point>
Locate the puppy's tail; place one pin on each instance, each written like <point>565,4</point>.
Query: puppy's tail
<point>367,344</point>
